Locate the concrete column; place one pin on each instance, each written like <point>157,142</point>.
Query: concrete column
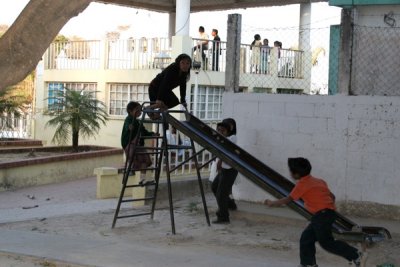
<point>232,72</point>
<point>182,17</point>
<point>305,43</point>
<point>171,25</point>
<point>304,27</point>
<point>345,52</point>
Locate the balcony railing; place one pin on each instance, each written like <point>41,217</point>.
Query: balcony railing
<point>15,126</point>
<point>282,63</point>
<point>211,54</point>
<point>141,53</point>
<point>73,55</point>
<point>120,54</point>
<point>155,53</point>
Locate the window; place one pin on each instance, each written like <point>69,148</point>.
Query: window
<point>209,102</point>
<point>262,90</point>
<point>121,94</point>
<point>289,91</point>
<point>54,88</point>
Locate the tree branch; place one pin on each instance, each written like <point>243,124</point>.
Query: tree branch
<point>25,42</point>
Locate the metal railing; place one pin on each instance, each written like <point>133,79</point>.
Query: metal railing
<point>73,55</point>
<point>179,156</point>
<point>211,54</point>
<point>154,53</point>
<point>15,126</point>
<point>282,63</point>
<point>290,63</point>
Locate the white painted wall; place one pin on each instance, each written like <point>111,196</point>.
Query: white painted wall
<point>372,15</point>
<point>352,142</point>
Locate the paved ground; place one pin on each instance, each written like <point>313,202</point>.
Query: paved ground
<point>71,228</point>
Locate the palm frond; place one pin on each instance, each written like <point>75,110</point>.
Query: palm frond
<point>76,112</point>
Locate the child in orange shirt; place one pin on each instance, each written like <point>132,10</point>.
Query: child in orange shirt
<point>319,201</point>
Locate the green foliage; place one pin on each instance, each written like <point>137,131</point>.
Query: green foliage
<point>61,38</point>
<point>75,114</point>
<point>15,100</point>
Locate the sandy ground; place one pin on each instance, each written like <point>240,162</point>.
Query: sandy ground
<point>13,260</point>
<point>269,239</point>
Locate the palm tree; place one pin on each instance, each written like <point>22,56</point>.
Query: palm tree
<point>76,113</point>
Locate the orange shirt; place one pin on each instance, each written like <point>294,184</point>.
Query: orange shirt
<point>315,194</point>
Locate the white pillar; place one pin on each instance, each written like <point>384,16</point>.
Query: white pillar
<point>304,27</point>
<point>182,17</point>
<point>171,25</point>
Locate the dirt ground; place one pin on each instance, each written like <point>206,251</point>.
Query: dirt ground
<point>271,237</point>
<point>12,260</point>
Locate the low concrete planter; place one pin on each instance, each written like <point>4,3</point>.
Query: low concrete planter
<point>14,142</point>
<point>38,170</point>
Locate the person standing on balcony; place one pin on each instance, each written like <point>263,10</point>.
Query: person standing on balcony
<point>278,45</point>
<point>160,88</point>
<point>256,54</point>
<point>202,45</point>
<point>264,56</point>
<point>216,50</point>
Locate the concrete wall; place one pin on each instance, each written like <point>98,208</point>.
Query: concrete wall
<point>352,142</point>
<point>375,51</point>
<point>55,172</point>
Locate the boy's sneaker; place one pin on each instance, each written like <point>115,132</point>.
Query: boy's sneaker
<point>361,260</point>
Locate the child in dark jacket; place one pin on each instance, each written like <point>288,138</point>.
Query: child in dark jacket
<point>222,184</point>
<point>129,140</point>
<point>319,201</point>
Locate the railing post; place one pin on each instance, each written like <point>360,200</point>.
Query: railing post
<point>274,60</point>
<point>104,54</point>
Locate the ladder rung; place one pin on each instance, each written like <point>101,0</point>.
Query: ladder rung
<point>150,147</point>
<point>137,199</point>
<point>178,147</point>
<point>152,121</point>
<point>147,153</point>
<point>134,215</point>
<point>151,137</point>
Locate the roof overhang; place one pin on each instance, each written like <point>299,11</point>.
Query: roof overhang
<point>204,5</point>
<point>350,3</point>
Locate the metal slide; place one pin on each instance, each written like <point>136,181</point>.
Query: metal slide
<point>263,176</point>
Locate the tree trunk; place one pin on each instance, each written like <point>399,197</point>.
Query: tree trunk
<point>25,42</point>
<point>75,140</point>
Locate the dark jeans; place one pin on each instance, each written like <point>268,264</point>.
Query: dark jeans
<point>215,61</point>
<point>169,98</point>
<point>320,229</point>
<point>222,187</point>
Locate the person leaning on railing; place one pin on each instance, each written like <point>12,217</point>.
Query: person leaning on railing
<point>160,88</point>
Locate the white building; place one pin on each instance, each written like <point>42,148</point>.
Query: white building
<point>121,70</point>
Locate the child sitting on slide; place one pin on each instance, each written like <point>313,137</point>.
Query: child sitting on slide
<point>319,201</point>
